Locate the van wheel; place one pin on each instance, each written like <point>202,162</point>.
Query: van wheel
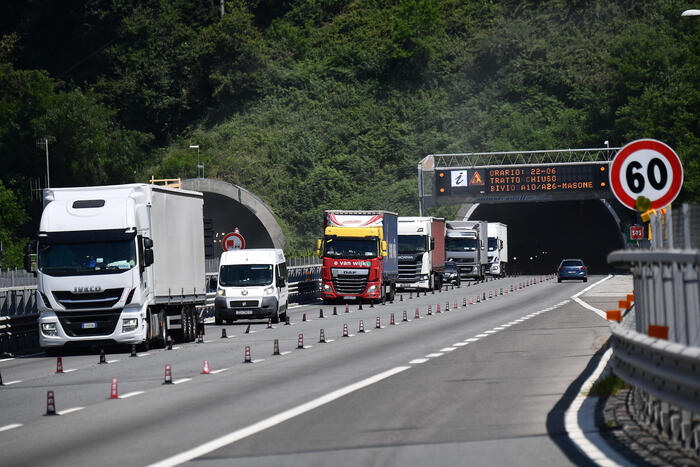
<point>283,316</point>
<point>276,317</point>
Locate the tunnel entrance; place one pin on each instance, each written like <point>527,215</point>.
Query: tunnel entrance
<point>228,207</point>
<point>540,235</point>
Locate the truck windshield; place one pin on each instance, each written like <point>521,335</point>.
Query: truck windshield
<point>493,244</point>
<point>412,244</point>
<point>245,275</point>
<point>351,248</point>
<point>75,259</point>
<point>460,244</point>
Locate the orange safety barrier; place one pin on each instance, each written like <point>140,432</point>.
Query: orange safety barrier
<point>624,304</point>
<point>613,315</point>
<point>630,297</point>
<point>659,332</point>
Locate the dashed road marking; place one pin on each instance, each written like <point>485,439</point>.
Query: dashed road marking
<point>416,361</point>
<point>448,349</point>
<point>11,426</point>
<point>9,383</point>
<point>434,355</point>
<point>220,370</point>
<point>71,410</point>
<point>482,335</point>
<point>7,360</point>
<point>131,394</point>
<point>182,380</point>
<point>471,339</point>
<point>70,370</point>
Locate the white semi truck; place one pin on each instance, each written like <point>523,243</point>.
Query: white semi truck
<point>465,244</point>
<point>498,248</point>
<point>421,253</point>
<point>119,264</point>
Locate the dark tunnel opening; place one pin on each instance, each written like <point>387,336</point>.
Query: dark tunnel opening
<point>541,234</point>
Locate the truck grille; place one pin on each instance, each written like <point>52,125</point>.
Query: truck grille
<point>80,301</point>
<point>350,285</point>
<point>104,323</point>
<point>409,271</point>
<point>244,304</point>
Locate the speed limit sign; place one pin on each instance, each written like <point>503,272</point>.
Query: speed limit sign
<point>648,168</point>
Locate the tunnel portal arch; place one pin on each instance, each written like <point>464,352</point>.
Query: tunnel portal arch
<point>227,207</point>
<point>541,234</point>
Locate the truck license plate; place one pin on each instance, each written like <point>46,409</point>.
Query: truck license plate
<point>244,312</point>
<point>88,325</point>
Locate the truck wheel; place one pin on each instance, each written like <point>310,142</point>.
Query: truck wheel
<point>163,339</point>
<point>184,324</point>
<point>193,323</point>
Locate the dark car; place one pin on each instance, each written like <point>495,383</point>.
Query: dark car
<point>451,275</point>
<point>573,269</point>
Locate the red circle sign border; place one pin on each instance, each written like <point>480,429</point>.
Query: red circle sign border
<point>233,234</point>
<point>653,145</point>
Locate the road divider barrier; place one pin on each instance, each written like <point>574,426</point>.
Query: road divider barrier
<point>50,403</point>
<point>322,337</point>
<point>59,365</point>
<point>276,347</point>
<point>168,374</point>
<point>246,355</point>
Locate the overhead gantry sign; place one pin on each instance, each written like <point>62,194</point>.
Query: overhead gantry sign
<point>559,175</point>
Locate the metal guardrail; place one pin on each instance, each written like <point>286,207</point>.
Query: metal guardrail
<point>663,372</point>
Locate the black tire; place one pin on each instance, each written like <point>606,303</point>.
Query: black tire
<point>193,323</point>
<point>184,324</point>
<point>558,279</point>
<point>283,316</point>
<point>276,317</point>
<point>163,338</point>
<point>585,279</point>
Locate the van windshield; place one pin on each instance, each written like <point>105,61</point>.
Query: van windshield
<point>245,275</point>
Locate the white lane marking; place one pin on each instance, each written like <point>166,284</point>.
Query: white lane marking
<point>71,410</point>
<point>416,361</point>
<point>17,381</point>
<point>459,344</point>
<point>328,341</point>
<point>182,380</point>
<point>262,425</point>
<point>590,442</point>
<point>10,427</point>
<point>7,360</point>
<point>490,331</point>
<point>503,326</point>
<point>471,339</point>
<point>434,355</point>
<point>131,394</point>
<point>70,370</point>
<point>448,349</point>
<point>306,347</point>
<point>208,342</point>
<point>258,360</point>
<point>221,370</point>
<point>482,335</point>
<point>112,361</point>
<point>143,354</point>
<point>575,298</point>
<point>286,352</point>
<point>176,347</point>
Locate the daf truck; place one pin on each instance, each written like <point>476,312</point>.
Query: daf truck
<point>466,245</point>
<point>498,248</point>
<point>359,252</point>
<point>120,264</point>
<point>421,253</point>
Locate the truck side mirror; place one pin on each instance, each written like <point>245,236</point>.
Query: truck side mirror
<point>147,243</point>
<point>29,264</point>
<point>318,247</point>
<point>147,257</point>
<point>213,282</point>
<point>500,245</point>
<point>432,243</point>
<point>384,252</point>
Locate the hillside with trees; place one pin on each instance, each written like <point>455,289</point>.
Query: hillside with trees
<point>316,104</point>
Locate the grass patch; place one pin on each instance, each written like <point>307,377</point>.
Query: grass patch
<point>608,386</point>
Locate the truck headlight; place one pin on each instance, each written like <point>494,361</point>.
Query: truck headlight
<point>269,290</point>
<point>372,289</point>
<point>49,329</point>
<point>423,277</point>
<point>326,287</point>
<point>221,292</point>
<point>129,324</point>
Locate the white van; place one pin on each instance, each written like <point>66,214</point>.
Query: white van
<point>252,285</point>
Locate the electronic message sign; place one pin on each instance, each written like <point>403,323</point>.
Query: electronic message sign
<point>540,182</point>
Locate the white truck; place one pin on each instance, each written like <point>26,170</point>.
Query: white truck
<point>498,248</point>
<point>119,264</point>
<point>421,253</point>
<point>465,244</point>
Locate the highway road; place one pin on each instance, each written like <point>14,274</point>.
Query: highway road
<point>484,384</point>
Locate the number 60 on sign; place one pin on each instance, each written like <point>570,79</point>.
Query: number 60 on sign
<point>648,168</point>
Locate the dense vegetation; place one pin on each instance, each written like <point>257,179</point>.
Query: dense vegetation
<point>315,104</point>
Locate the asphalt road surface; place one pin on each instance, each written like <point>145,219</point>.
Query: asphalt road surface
<point>479,385</point>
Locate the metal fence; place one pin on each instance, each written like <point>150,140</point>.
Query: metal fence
<point>16,278</point>
<point>656,347</point>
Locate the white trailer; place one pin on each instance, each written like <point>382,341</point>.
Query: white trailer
<point>421,253</point>
<point>119,264</point>
<point>498,248</point>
